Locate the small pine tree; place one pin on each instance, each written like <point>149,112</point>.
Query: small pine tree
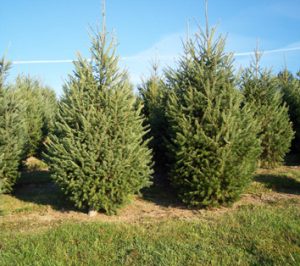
<point>212,139</point>
<point>290,89</point>
<point>260,89</point>
<point>11,128</point>
<point>97,154</point>
<point>153,94</point>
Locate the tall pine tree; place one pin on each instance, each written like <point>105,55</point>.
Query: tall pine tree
<point>11,129</point>
<point>212,138</point>
<point>97,154</point>
<point>260,90</point>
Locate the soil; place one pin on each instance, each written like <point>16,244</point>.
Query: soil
<point>141,210</point>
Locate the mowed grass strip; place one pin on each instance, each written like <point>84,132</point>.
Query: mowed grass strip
<point>250,235</point>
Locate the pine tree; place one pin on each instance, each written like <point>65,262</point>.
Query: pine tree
<point>38,114</point>
<point>27,89</point>
<point>11,128</point>
<point>49,104</point>
<point>260,89</point>
<point>153,94</point>
<point>290,89</point>
<point>212,138</point>
<point>97,154</point>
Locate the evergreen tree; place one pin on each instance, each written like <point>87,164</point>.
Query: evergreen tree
<point>212,139</point>
<point>260,89</point>
<point>11,128</point>
<point>153,94</point>
<point>290,89</point>
<point>27,89</point>
<point>97,154</point>
<point>49,110</point>
<point>38,114</point>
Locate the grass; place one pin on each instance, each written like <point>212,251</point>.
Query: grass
<point>34,192</point>
<point>38,227</point>
<point>253,235</point>
<point>34,164</point>
<point>285,180</point>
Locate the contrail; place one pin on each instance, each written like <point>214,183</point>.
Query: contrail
<point>28,62</point>
<point>66,61</point>
<point>269,51</point>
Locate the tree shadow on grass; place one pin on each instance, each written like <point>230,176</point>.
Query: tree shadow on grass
<point>34,177</point>
<point>161,193</point>
<point>162,196</point>
<point>280,183</point>
<point>37,187</point>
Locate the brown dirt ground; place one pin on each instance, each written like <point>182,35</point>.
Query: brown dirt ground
<point>141,210</point>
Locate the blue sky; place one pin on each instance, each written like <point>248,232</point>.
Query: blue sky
<point>145,29</point>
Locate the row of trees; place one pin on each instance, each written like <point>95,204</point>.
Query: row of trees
<point>206,127</point>
<point>217,126</point>
<point>27,112</point>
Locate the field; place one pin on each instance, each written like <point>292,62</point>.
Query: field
<point>38,226</point>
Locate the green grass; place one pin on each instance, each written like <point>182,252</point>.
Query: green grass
<point>264,229</point>
<point>283,179</point>
<point>286,181</point>
<point>252,235</point>
<point>33,192</point>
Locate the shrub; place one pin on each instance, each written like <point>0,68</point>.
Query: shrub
<point>212,139</point>
<point>11,129</point>
<point>260,89</point>
<point>97,154</point>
